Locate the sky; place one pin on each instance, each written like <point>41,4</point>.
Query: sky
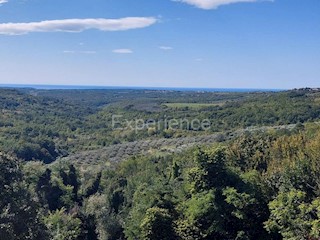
<point>272,44</point>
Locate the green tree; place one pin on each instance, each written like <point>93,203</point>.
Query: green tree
<point>63,226</point>
<point>289,216</point>
<point>19,214</point>
<point>70,178</point>
<point>157,225</point>
<point>108,224</point>
<point>200,217</point>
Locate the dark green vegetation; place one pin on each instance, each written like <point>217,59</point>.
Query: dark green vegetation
<point>43,125</point>
<point>61,177</point>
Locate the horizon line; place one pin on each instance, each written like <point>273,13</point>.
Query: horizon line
<point>101,87</point>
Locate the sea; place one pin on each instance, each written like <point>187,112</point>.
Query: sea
<point>79,87</point>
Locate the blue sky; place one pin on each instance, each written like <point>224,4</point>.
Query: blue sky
<point>161,43</point>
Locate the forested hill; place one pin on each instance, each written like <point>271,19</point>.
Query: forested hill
<point>32,127</point>
<point>67,172</point>
<point>258,186</point>
<point>43,125</point>
<point>46,124</point>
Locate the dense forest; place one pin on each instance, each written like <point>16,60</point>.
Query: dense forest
<point>67,173</point>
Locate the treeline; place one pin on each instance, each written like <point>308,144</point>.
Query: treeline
<point>259,186</point>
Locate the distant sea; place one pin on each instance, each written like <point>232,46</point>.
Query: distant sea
<point>75,87</point>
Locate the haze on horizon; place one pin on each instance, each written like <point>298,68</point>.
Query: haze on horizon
<point>273,44</point>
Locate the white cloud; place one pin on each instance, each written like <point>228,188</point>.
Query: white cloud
<point>77,25</point>
<point>3,1</point>
<point>213,4</point>
<point>165,48</point>
<point>122,51</point>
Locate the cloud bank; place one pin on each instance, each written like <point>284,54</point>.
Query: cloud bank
<point>77,25</point>
<point>213,4</point>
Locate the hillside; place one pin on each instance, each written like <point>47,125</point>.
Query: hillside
<point>44,125</point>
<point>69,172</point>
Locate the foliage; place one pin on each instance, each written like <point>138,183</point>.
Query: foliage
<point>45,125</point>
<point>293,217</point>
<point>246,177</point>
<point>62,226</point>
<point>19,218</point>
<point>157,224</point>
